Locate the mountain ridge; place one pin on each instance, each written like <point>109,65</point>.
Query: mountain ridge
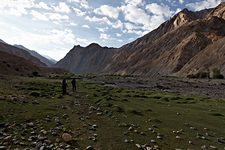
<point>170,48</point>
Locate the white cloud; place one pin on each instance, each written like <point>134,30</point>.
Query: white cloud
<point>117,25</point>
<point>107,10</point>
<point>78,12</point>
<point>54,17</point>
<point>73,24</point>
<point>86,26</point>
<point>54,43</point>
<point>103,20</point>
<point>181,1</point>
<point>135,15</point>
<point>203,4</point>
<point>104,36</point>
<point>82,3</point>
<point>134,2</point>
<point>160,10</point>
<point>15,7</point>
<point>38,16</point>
<point>118,34</point>
<point>43,6</point>
<point>102,29</point>
<point>57,18</point>
<point>62,8</point>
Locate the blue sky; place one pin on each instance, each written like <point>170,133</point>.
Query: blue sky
<point>53,27</point>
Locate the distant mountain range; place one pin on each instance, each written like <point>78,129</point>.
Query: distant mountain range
<point>45,60</point>
<point>188,43</point>
<point>18,60</point>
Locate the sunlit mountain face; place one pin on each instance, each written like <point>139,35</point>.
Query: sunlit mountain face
<point>52,27</point>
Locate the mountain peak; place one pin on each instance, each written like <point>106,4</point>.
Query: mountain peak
<point>94,45</point>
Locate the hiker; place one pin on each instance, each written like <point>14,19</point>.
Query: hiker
<point>64,85</point>
<point>74,84</point>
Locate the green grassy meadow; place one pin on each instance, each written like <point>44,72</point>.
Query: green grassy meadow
<point>105,117</point>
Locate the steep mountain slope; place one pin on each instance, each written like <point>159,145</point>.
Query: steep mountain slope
<point>208,59</point>
<point>170,47</point>
<point>90,59</point>
<point>48,62</point>
<point>14,65</point>
<point>4,47</point>
<point>187,43</point>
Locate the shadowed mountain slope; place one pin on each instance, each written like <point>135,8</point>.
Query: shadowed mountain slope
<point>90,59</point>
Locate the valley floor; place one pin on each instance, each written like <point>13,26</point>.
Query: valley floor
<point>109,113</point>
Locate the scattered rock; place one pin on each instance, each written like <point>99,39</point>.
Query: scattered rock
<point>193,128</point>
<point>212,147</point>
<point>138,146</point>
<point>67,137</point>
<point>89,148</point>
<point>159,137</point>
<point>178,137</point>
<point>42,147</point>
<point>204,147</point>
<point>3,147</point>
<point>153,141</point>
<point>30,124</point>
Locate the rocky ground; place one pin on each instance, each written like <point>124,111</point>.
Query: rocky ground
<point>212,88</point>
<point>111,113</point>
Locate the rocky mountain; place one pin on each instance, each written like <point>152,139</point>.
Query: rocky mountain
<point>13,65</point>
<point>186,44</point>
<point>4,47</point>
<point>176,46</point>
<point>43,59</point>
<point>90,59</point>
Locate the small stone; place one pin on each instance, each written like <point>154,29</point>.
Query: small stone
<point>67,137</point>
<point>3,147</point>
<point>193,128</point>
<point>44,131</point>
<point>130,128</point>
<point>159,137</point>
<point>178,137</point>
<point>153,141</point>
<point>212,147</point>
<point>99,113</point>
<point>30,124</point>
<point>7,138</point>
<point>203,137</point>
<point>204,147</point>
<point>42,147</point>
<point>150,129</point>
<point>126,140</point>
<point>138,146</point>
<point>89,148</point>
<point>57,140</point>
